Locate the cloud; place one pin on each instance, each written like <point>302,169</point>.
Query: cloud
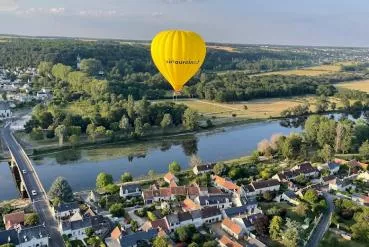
<point>8,5</point>
<point>99,13</point>
<point>180,1</point>
<point>44,11</point>
<point>157,14</point>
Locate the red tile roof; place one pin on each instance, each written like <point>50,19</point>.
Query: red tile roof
<point>160,223</point>
<point>169,176</point>
<point>233,227</point>
<point>10,220</point>
<point>228,242</point>
<point>222,182</point>
<point>115,234</point>
<point>189,205</point>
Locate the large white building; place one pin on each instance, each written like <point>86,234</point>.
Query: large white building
<point>26,237</point>
<point>5,111</point>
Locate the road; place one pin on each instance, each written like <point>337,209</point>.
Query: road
<point>40,201</point>
<point>324,223</point>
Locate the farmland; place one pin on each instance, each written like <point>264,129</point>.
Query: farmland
<point>308,71</point>
<point>362,85</point>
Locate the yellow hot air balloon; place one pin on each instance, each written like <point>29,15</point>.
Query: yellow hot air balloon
<point>178,55</point>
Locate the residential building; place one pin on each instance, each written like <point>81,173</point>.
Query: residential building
<point>133,240</point>
<point>25,237</point>
<point>203,168</point>
<point>232,228</point>
<point>189,205</point>
<point>341,184</point>
<point>290,197</point>
<point>211,215</point>
<point>225,241</point>
<point>93,197</point>
<point>130,190</point>
<point>362,200</point>
<point>5,111</point>
<point>170,177</point>
<point>258,187</point>
<point>65,210</point>
<point>249,208</point>
<point>228,186</point>
<point>219,201</point>
<point>305,169</point>
<point>13,220</point>
<point>332,167</point>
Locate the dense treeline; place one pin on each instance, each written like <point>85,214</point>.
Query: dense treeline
<point>239,86</point>
<point>125,59</point>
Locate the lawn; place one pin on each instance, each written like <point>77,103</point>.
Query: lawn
<point>332,239</point>
<point>362,85</point>
<point>256,109</point>
<point>309,71</point>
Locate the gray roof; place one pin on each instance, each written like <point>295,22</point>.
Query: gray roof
<point>265,183</point>
<point>230,212</point>
<point>184,216</point>
<point>332,165</point>
<point>214,199</point>
<point>9,236</point>
<point>26,234</point>
<point>290,194</point>
<point>4,105</point>
<point>131,188</point>
<point>196,214</point>
<point>210,212</point>
<point>133,239</point>
<point>93,221</point>
<point>172,219</point>
<point>66,207</point>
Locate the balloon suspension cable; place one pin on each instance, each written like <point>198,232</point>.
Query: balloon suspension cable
<point>175,95</point>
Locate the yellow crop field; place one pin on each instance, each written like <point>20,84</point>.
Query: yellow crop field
<point>309,71</point>
<point>362,85</point>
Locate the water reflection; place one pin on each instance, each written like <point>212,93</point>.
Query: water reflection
<point>190,146</point>
<point>66,156</point>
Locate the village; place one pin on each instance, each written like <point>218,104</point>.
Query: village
<point>211,211</point>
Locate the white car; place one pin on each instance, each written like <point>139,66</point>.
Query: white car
<point>24,171</point>
<point>34,193</point>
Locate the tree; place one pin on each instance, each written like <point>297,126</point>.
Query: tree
<point>327,152</point>
<point>151,216</point>
<point>167,121</point>
<point>111,189</point>
<point>291,234</point>
<point>44,68</point>
<point>311,196</point>
<point>60,132</point>
<point>126,177</point>
<point>311,128</point>
<point>184,233</point>
<point>301,209</point>
<point>360,230</point>
<point>364,150</point>
<point>61,71</point>
<point>193,244</point>
<point>190,119</point>
<point>254,157</point>
<point>327,132</point>
<point>94,241</point>
<point>211,243</point>
<point>139,130</point>
<point>174,167</point>
<point>117,210</point>
<point>265,148</point>
<point>261,224</point>
<point>160,242</point>
<point>266,173</point>
<point>31,219</point>
<point>267,196</point>
<point>275,227</point>
<point>89,232</point>
<point>46,119</point>
<point>344,133</point>
<point>91,66</point>
<point>292,146</point>
<point>195,161</point>
<point>124,123</point>
<point>103,179</point>
<point>61,189</point>
<point>218,169</point>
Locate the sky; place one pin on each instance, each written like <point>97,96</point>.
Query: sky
<point>284,22</point>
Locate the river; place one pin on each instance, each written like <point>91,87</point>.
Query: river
<point>81,166</point>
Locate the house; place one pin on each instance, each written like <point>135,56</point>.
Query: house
<point>25,237</point>
<point>77,229</point>
<point>332,167</point>
<point>258,187</point>
<point>249,208</point>
<point>328,179</point>
<point>224,241</point>
<point>93,197</point>
<point>364,176</point>
<point>211,215</point>
<point>169,177</point>
<point>304,169</point>
<point>130,190</point>
<point>203,168</point>
<point>341,184</point>
<point>113,240</point>
<point>290,197</point>
<point>228,186</point>
<point>245,223</point>
<point>13,220</point>
<point>219,201</point>
<point>133,240</point>
<point>5,111</point>
<point>232,228</point>
<point>190,205</point>
<point>64,210</point>
<point>362,200</point>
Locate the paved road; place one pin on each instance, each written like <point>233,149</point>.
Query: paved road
<point>40,202</point>
<point>324,223</point>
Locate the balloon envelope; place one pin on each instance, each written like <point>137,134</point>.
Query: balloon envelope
<point>178,55</point>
